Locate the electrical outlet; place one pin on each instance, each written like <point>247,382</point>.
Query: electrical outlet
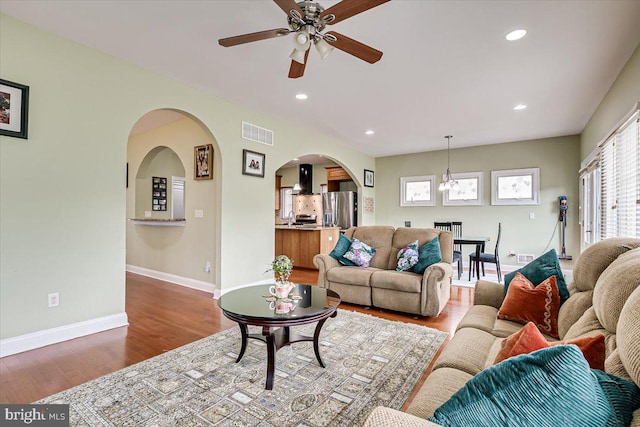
<point>207,267</point>
<point>54,299</point>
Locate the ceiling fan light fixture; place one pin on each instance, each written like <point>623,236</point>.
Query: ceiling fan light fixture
<point>298,56</point>
<point>301,41</point>
<point>323,48</point>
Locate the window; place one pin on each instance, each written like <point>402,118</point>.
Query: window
<point>515,187</point>
<point>286,202</point>
<point>417,191</point>
<point>620,181</point>
<point>468,193</point>
<point>590,204</point>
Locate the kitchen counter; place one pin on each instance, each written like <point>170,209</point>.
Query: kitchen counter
<point>302,242</point>
<point>312,227</point>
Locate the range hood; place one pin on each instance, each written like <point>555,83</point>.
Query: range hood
<point>306,179</point>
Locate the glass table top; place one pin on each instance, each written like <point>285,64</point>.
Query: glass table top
<point>256,302</point>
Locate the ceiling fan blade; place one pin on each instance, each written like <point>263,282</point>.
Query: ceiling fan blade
<point>253,37</point>
<point>348,8</point>
<point>355,48</point>
<point>287,5</point>
<point>297,69</point>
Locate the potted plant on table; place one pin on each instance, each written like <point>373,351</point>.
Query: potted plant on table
<point>282,267</point>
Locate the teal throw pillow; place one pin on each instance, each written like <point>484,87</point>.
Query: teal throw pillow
<point>360,253</point>
<point>547,388</point>
<point>341,247</point>
<point>538,270</point>
<point>623,395</point>
<point>407,257</point>
<point>428,254</point>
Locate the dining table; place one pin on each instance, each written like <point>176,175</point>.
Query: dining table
<point>479,243</point>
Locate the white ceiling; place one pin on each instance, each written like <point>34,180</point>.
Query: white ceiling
<point>446,69</point>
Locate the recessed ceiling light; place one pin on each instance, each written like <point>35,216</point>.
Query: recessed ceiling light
<point>516,35</point>
<point>295,159</point>
<point>369,132</point>
<point>519,107</point>
<point>301,96</point>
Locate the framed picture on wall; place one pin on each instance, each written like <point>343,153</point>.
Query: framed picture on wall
<point>14,109</point>
<point>368,178</point>
<point>253,163</point>
<point>203,162</point>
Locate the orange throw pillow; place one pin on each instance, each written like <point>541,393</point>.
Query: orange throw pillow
<point>525,341</point>
<point>593,349</point>
<point>539,304</point>
<point>529,339</point>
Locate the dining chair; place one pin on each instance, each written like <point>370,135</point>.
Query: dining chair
<point>493,258</point>
<point>456,229</point>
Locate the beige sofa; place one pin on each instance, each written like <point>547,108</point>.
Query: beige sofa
<point>380,284</point>
<point>605,298</point>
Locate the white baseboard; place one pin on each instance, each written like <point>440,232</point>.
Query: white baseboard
<point>39,339</point>
<point>178,280</point>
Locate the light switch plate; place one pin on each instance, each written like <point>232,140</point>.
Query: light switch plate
<point>199,213</point>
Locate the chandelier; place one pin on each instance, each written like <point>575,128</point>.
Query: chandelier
<point>448,183</point>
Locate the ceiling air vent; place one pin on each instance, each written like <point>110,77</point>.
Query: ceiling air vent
<point>257,134</point>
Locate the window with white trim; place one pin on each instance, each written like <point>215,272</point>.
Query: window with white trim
<point>286,202</point>
<point>620,181</point>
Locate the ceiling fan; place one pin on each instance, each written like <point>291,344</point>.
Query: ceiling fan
<point>307,19</point>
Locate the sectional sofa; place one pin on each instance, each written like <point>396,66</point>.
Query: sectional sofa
<point>604,299</point>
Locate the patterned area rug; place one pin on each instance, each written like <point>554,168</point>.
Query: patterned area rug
<point>370,362</point>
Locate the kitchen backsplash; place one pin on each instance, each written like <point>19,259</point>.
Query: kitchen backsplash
<point>308,205</point>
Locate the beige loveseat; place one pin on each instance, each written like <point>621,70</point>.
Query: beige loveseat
<point>380,284</point>
<point>605,298</point>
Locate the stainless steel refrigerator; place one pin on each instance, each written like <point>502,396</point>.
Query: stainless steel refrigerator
<point>340,208</point>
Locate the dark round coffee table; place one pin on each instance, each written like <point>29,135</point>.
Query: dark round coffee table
<point>252,306</point>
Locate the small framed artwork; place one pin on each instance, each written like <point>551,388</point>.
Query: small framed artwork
<point>253,163</point>
<point>14,109</point>
<point>468,191</point>
<point>515,187</point>
<point>368,178</point>
<point>203,162</point>
<point>417,190</point>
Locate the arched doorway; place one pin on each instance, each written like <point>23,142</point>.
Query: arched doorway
<point>167,238</point>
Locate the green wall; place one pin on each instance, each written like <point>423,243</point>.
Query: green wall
<point>63,210</point>
<point>181,251</point>
<point>162,162</point>
<point>558,160</point>
<point>623,95</point>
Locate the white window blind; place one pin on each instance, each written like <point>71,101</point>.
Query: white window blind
<point>620,182</point>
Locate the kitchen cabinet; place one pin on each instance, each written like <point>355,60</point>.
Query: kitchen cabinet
<point>278,185</point>
<point>302,244</point>
<point>336,174</point>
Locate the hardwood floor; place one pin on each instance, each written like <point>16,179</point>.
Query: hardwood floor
<point>162,317</point>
